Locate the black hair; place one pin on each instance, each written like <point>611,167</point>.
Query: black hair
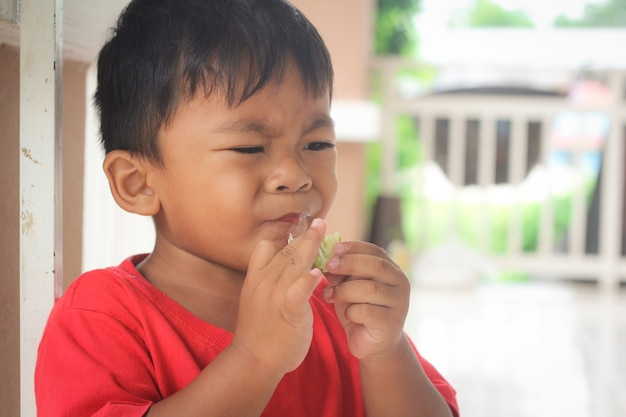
<point>165,51</point>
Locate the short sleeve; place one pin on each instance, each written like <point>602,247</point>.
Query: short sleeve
<point>91,364</point>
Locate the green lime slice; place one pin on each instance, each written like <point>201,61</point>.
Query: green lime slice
<point>326,250</point>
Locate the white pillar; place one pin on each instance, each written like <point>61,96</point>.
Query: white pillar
<point>40,179</point>
<point>612,186</point>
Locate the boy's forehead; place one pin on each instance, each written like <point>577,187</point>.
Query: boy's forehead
<point>263,111</point>
<point>232,92</point>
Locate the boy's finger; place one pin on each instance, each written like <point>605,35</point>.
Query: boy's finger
<point>334,279</point>
<point>355,267</point>
<point>298,295</point>
<point>364,291</point>
<point>299,255</point>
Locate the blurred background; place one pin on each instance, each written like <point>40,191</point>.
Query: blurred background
<point>499,187</point>
<point>481,143</point>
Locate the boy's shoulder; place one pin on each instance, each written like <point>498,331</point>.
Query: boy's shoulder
<point>106,289</point>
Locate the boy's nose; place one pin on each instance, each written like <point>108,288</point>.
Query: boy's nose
<point>289,175</point>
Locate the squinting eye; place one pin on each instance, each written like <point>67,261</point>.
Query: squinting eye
<point>319,146</point>
<point>249,149</point>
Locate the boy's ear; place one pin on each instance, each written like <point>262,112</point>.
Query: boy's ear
<point>130,183</point>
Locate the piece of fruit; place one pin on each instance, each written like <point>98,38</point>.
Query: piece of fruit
<point>326,250</point>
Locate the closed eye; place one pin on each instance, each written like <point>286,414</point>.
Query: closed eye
<point>248,149</point>
<point>319,146</point>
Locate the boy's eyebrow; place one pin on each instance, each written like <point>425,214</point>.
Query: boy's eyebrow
<point>245,126</point>
<point>320,122</point>
<point>256,126</point>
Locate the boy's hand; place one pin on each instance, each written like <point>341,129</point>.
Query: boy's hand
<point>371,297</point>
<point>275,322</point>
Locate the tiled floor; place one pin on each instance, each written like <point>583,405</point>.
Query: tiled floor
<point>526,350</point>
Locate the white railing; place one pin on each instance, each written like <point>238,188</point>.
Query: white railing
<point>585,251</point>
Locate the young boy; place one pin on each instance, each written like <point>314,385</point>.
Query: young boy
<point>215,120</point>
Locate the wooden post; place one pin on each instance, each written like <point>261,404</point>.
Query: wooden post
<point>40,180</point>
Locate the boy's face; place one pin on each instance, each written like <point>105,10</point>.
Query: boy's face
<point>235,176</point>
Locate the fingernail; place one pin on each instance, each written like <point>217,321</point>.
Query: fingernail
<point>333,263</point>
<point>317,273</point>
<point>340,248</point>
<point>317,223</point>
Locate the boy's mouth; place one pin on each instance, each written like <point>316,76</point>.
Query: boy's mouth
<point>299,222</point>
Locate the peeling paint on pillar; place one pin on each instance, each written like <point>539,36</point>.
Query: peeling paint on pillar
<point>28,155</point>
<point>28,220</point>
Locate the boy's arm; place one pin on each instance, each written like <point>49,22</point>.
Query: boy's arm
<point>233,384</point>
<point>371,297</point>
<point>272,336</point>
<point>399,386</point>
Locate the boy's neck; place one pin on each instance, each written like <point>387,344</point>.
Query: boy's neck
<point>207,293</point>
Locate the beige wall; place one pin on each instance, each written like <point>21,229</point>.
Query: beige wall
<point>10,236</point>
<point>74,110</point>
<point>73,148</point>
<point>347,29</point>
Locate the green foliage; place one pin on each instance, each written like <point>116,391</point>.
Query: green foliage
<point>408,152</point>
<point>610,14</point>
<point>395,31</point>
<point>488,14</point>
<point>374,163</point>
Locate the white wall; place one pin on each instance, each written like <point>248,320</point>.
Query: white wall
<point>110,234</point>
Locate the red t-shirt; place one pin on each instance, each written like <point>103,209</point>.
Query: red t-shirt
<point>114,344</point>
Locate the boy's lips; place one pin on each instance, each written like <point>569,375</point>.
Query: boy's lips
<point>297,222</point>
<point>291,218</point>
